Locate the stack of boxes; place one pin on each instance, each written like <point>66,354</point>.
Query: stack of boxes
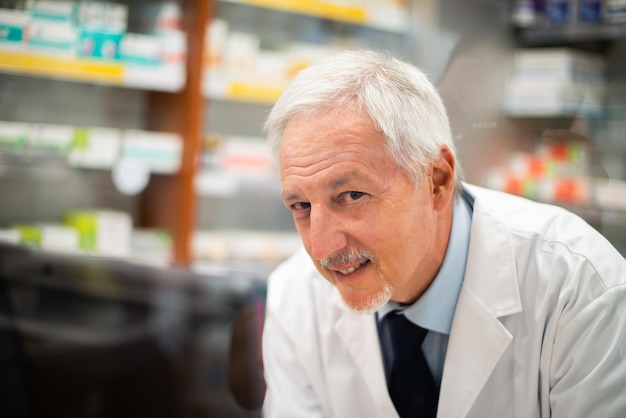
<point>237,67</point>
<point>556,82</point>
<point>102,232</point>
<point>559,171</point>
<point>94,148</point>
<point>556,172</point>
<point>93,30</point>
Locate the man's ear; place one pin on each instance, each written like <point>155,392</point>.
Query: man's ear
<point>442,178</point>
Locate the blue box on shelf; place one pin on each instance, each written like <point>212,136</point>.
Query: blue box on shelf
<point>96,44</point>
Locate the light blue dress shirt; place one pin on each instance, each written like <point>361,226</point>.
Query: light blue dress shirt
<point>434,310</point>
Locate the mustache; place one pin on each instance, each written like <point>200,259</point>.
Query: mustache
<point>346,257</point>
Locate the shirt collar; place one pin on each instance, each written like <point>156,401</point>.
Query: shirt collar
<point>434,310</point>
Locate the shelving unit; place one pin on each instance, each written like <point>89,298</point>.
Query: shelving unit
<point>161,78</point>
<point>194,104</point>
<point>169,100</point>
<point>316,23</point>
<point>605,205</point>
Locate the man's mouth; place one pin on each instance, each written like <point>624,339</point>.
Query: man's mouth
<point>352,269</point>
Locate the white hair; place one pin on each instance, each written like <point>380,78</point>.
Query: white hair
<point>402,102</point>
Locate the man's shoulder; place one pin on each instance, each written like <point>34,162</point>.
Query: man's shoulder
<point>549,232</point>
<point>526,216</point>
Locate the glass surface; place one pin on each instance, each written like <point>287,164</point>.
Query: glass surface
<point>94,337</point>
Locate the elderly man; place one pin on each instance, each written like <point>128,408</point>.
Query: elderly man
<point>416,294</point>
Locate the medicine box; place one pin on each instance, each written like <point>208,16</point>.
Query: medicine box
<point>52,138</point>
<point>53,37</point>
<point>102,17</point>
<point>142,49</point>
<point>13,136</point>
<point>54,237</point>
<point>159,152</point>
<point>105,232</point>
<point>59,11</point>
<point>13,24</point>
<point>97,44</point>
<point>96,148</point>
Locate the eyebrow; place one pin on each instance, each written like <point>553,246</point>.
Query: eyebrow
<point>333,185</point>
<point>290,197</point>
<point>342,181</point>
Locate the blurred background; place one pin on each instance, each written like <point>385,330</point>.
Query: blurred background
<point>132,129</point>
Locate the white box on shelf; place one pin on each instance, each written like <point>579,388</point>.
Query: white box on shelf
<point>615,11</point>
<point>153,246</point>
<point>555,81</point>
<point>526,96</point>
<point>13,136</point>
<point>49,236</point>
<point>174,47</point>
<point>217,183</point>
<point>558,57</point>
<point>388,15</point>
<point>142,49</point>
<point>102,16</point>
<point>52,10</point>
<point>58,237</point>
<point>216,44</point>
<point>142,70</point>
<point>13,24</point>
<point>103,231</point>
<point>241,54</point>
<point>58,38</point>
<point>43,137</point>
<point>97,148</point>
<point>11,235</point>
<point>160,152</point>
<point>246,156</point>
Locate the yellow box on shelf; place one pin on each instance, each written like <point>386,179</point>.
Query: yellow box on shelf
<point>59,66</point>
<point>253,92</point>
<point>328,10</point>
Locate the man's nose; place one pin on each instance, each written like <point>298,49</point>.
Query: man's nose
<point>327,235</point>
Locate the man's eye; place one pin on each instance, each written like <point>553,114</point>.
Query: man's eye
<point>351,196</point>
<point>299,206</point>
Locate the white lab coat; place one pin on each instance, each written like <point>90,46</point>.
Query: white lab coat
<point>539,329</point>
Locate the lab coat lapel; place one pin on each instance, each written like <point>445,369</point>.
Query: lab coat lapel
<point>359,336</point>
<point>478,338</point>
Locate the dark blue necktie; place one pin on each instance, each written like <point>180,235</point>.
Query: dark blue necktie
<point>410,382</point>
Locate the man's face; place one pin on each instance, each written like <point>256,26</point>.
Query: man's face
<point>371,232</point>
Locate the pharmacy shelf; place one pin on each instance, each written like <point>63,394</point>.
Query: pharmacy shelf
<point>90,147</point>
<point>384,17</point>
<point>568,34</point>
<point>166,78</point>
